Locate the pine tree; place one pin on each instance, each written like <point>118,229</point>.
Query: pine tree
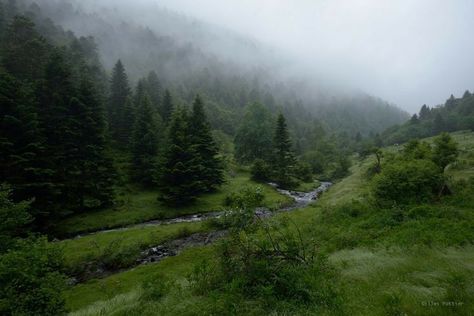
<point>155,92</point>
<point>179,184</point>
<point>167,107</point>
<point>439,124</point>
<point>140,91</point>
<point>21,143</point>
<point>73,124</point>
<point>209,163</point>
<point>283,160</point>
<point>120,121</point>
<point>57,97</point>
<point>414,119</point>
<point>95,175</point>
<point>254,136</point>
<point>451,102</point>
<point>425,112</point>
<point>24,52</point>
<point>145,142</point>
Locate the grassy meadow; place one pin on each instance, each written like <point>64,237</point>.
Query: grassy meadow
<point>137,206</point>
<point>413,261</point>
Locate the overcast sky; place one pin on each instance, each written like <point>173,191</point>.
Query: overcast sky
<point>408,52</point>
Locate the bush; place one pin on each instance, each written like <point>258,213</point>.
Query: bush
<point>445,150</point>
<point>406,182</point>
<point>303,172</point>
<point>341,168</point>
<point>30,281</point>
<point>155,287</point>
<point>248,197</point>
<point>270,264</point>
<point>260,171</point>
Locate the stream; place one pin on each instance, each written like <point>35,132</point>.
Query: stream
<point>174,247</point>
<point>301,199</point>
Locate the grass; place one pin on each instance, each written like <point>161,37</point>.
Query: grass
<point>307,186</point>
<point>415,261</point>
<point>141,206</point>
<point>127,243</point>
<point>83,295</point>
<point>399,282</point>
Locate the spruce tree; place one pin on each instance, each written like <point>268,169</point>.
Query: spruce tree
<point>73,123</point>
<point>414,119</point>
<point>155,92</point>
<point>425,112</point>
<point>145,141</point>
<point>283,159</point>
<point>439,124</point>
<point>210,166</point>
<point>95,174</point>
<point>167,107</point>
<point>21,143</point>
<point>120,121</point>
<point>179,182</point>
<point>254,136</point>
<point>24,52</point>
<point>140,91</point>
<point>57,97</point>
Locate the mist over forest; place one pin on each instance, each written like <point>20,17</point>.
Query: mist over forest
<point>241,157</point>
<point>188,52</point>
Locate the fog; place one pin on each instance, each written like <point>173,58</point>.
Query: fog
<point>408,52</point>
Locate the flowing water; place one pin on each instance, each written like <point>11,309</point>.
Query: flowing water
<point>174,247</point>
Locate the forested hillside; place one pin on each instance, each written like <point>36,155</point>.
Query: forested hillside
<point>454,115</point>
<point>230,70</point>
<point>152,161</point>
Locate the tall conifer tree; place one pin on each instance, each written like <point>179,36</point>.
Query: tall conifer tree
<point>179,184</point>
<point>25,52</point>
<point>167,107</point>
<point>283,160</point>
<point>145,142</point>
<point>21,143</point>
<point>120,120</point>
<point>95,174</point>
<point>210,166</point>
<point>155,91</point>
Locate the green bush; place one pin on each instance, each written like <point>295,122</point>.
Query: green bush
<point>406,182</point>
<point>270,264</point>
<point>155,287</point>
<point>30,279</point>
<point>304,172</point>
<point>260,171</point>
<point>248,197</point>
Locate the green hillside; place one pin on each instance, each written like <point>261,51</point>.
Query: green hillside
<point>418,262</point>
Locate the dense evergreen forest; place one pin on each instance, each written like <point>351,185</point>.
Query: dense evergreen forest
<point>106,124</point>
<point>454,115</point>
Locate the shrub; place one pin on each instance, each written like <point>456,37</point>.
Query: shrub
<point>303,172</point>
<point>270,264</point>
<point>155,287</point>
<point>406,182</point>
<point>30,281</point>
<point>260,171</point>
<point>248,197</point>
<point>445,150</point>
